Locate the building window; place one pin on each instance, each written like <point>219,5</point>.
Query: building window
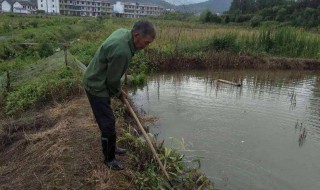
<point>53,11</point>
<point>41,5</point>
<point>41,1</point>
<point>52,0</point>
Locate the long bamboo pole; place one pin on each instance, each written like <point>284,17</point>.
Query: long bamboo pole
<point>228,82</point>
<point>148,140</point>
<point>143,132</point>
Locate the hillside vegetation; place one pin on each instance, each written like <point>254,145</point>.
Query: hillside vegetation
<point>303,13</point>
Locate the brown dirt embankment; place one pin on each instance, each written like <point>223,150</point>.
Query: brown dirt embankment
<point>57,148</point>
<point>226,60</point>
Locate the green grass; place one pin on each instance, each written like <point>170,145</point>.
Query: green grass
<point>49,87</point>
<point>288,42</point>
<point>38,83</point>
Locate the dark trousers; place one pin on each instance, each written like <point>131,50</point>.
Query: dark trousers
<point>106,121</point>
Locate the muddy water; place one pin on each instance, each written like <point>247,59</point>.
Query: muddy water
<point>263,135</point>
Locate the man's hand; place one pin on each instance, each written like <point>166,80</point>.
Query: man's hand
<point>123,96</point>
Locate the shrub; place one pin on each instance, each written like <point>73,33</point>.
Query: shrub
<point>226,19</point>
<point>45,49</point>
<point>138,79</point>
<point>242,18</point>
<point>34,24</point>
<point>6,51</point>
<point>139,64</point>
<point>216,19</point>
<point>147,176</point>
<point>224,43</point>
<point>26,96</point>
<point>281,14</point>
<point>206,16</point>
<point>256,21</point>
<point>47,88</point>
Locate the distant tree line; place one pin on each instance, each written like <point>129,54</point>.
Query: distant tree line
<point>304,13</point>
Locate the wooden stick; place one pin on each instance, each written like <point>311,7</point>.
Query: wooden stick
<point>66,55</point>
<point>143,132</point>
<point>228,82</point>
<point>8,86</point>
<point>148,140</point>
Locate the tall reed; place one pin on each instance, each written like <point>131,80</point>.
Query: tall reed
<point>288,42</point>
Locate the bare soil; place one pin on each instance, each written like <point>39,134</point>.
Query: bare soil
<point>58,148</point>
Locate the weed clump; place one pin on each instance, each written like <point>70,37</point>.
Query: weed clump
<point>148,173</point>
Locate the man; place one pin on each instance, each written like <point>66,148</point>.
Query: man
<point>102,81</point>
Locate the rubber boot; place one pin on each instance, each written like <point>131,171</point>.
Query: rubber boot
<point>108,149</point>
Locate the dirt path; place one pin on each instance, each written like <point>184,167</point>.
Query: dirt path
<point>63,155</point>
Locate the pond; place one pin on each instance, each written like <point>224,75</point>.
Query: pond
<point>262,135</point>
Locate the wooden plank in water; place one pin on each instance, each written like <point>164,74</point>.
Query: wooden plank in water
<point>229,82</point>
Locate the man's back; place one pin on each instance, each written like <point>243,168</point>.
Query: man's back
<point>109,63</point>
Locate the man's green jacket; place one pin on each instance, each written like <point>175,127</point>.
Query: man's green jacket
<point>111,60</point>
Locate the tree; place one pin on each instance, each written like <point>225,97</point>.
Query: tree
<point>208,16</point>
<point>308,3</point>
<point>205,16</point>
<point>244,6</point>
<point>261,4</point>
<point>281,14</point>
<point>256,21</point>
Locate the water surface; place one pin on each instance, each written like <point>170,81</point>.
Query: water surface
<point>263,135</point>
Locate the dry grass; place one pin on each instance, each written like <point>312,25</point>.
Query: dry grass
<point>58,149</point>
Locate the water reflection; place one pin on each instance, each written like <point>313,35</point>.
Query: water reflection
<point>297,86</point>
<point>302,132</point>
<point>262,135</point>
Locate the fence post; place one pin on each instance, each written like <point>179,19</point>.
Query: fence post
<point>8,82</point>
<point>66,54</point>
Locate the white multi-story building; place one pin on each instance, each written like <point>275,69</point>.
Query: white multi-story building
<point>85,7</point>
<point>137,10</point>
<point>99,7</point>
<point>49,6</point>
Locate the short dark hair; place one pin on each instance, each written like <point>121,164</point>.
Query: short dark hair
<point>144,27</point>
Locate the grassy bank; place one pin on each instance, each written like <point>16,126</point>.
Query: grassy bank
<point>180,39</point>
<point>36,152</point>
<point>193,45</point>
